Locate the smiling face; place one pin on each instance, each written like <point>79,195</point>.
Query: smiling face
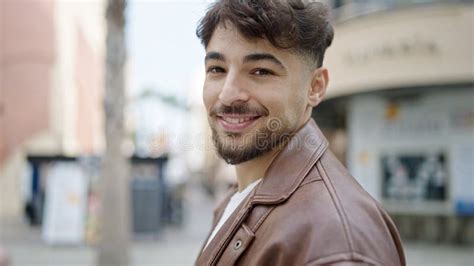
<point>256,95</point>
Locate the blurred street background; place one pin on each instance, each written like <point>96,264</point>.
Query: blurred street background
<point>399,114</point>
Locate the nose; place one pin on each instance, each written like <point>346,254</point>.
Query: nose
<point>233,90</point>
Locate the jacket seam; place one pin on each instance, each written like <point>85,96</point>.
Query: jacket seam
<point>338,206</point>
<point>390,227</point>
<point>304,183</point>
<point>353,256</point>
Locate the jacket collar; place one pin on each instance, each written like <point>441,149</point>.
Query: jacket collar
<point>289,168</point>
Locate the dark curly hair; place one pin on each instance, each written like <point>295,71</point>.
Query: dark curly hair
<point>300,25</point>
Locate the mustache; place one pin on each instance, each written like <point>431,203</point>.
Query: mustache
<point>240,109</point>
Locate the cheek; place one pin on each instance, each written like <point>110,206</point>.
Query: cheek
<point>300,101</point>
<point>296,103</point>
<point>209,95</point>
<point>278,103</point>
<point>299,96</point>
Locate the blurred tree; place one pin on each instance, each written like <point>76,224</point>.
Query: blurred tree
<point>170,100</point>
<point>115,198</point>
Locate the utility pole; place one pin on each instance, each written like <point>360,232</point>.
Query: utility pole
<point>115,194</point>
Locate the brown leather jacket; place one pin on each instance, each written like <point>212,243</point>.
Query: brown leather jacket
<point>307,210</point>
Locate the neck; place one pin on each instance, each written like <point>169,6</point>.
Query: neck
<point>250,171</point>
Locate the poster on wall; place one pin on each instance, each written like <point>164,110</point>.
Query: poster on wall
<point>65,206</point>
<point>408,177</point>
<point>463,187</point>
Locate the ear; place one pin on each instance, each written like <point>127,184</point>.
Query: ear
<point>319,83</point>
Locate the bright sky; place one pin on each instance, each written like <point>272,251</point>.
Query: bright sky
<point>165,54</point>
<point>164,51</point>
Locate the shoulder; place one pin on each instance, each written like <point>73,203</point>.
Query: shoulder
<point>331,216</point>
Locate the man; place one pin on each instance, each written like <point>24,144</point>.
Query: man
<point>295,204</point>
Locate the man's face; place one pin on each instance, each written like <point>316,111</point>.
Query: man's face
<point>255,94</point>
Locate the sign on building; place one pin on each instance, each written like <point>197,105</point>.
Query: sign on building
<point>66,204</point>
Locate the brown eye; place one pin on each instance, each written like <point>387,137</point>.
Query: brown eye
<point>262,72</point>
<point>215,70</point>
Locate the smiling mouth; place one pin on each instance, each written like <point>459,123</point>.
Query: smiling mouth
<point>236,123</point>
<point>237,120</point>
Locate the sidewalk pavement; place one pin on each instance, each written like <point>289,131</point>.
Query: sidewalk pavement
<point>177,246</point>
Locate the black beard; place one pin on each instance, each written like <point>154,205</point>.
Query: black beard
<point>252,146</point>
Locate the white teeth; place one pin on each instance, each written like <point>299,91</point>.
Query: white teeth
<point>236,120</point>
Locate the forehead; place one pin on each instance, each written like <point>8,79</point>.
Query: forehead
<point>228,41</point>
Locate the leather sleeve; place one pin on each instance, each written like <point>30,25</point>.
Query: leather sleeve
<point>346,263</point>
<point>344,259</point>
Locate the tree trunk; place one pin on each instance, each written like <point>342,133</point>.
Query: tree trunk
<point>115,195</point>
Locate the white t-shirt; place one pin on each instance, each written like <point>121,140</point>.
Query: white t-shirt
<point>234,202</point>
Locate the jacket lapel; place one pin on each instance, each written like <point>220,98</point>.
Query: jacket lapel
<point>212,252</point>
<point>218,212</point>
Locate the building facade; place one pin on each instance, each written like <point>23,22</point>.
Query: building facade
<point>401,94</point>
<point>51,67</point>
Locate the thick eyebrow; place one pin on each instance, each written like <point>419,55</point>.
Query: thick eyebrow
<point>263,56</point>
<point>214,56</point>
